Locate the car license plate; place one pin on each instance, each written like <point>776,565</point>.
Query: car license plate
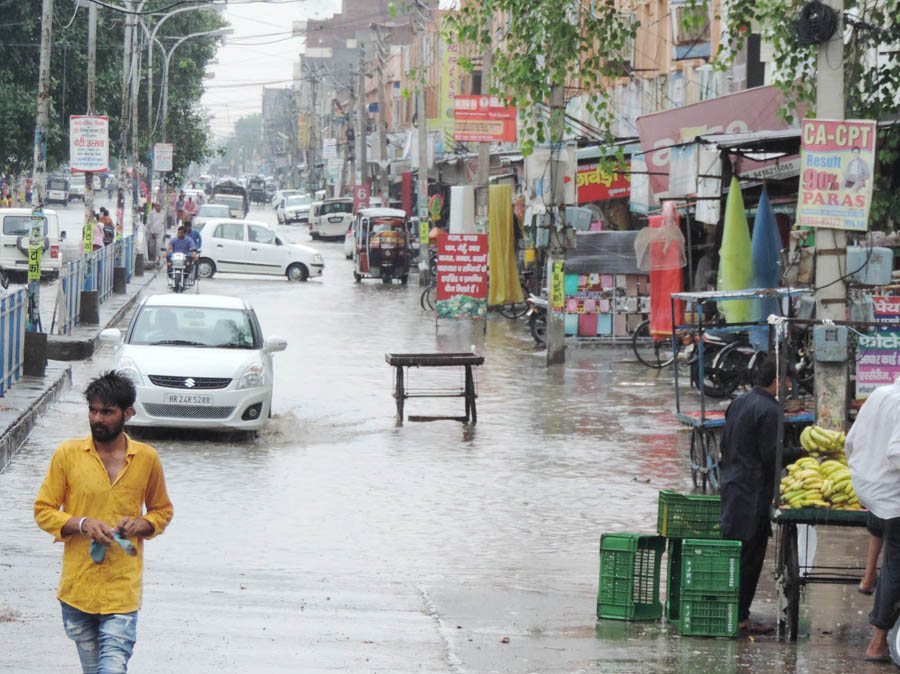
<point>336,219</point>
<point>188,399</point>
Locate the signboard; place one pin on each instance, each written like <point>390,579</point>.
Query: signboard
<point>598,183</point>
<point>878,354</point>
<point>450,72</point>
<point>329,148</point>
<point>462,282</point>
<point>557,287</point>
<point>661,132</point>
<point>162,157</point>
<point>484,119</point>
<point>88,236</point>
<point>435,204</point>
<point>837,159</point>
<point>303,131</point>
<point>35,246</point>
<point>423,233</point>
<point>360,197</point>
<point>88,143</point>
<point>785,167</point>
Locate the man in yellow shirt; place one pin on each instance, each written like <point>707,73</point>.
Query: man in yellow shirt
<point>96,489</point>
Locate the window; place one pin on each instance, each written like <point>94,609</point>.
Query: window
<point>336,207</point>
<point>20,225</point>
<point>233,231</point>
<point>261,235</point>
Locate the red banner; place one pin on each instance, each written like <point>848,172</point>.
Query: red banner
<point>484,119</point>
<point>360,197</point>
<point>597,183</point>
<point>462,266</point>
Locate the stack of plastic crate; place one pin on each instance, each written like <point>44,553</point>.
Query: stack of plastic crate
<point>629,577</point>
<point>689,522</point>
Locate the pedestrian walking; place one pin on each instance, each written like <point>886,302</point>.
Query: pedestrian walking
<point>93,499</point>
<point>873,453</point>
<point>748,473</point>
<point>98,236</point>
<point>109,228</point>
<point>156,229</point>
<point>179,207</point>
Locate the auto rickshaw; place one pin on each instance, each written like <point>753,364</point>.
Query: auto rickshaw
<point>381,246</point>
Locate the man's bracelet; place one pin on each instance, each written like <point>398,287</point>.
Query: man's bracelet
<point>80,523</point>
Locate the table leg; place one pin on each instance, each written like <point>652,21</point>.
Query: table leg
<point>399,395</point>
<point>471,413</point>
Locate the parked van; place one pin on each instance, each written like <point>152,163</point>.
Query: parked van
<point>15,232</point>
<point>330,218</point>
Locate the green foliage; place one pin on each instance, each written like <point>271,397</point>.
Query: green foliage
<point>871,85</point>
<point>19,60</point>
<point>543,44</point>
<point>243,146</point>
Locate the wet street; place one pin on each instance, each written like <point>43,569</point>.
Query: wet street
<point>337,541</point>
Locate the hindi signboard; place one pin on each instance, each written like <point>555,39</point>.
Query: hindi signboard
<point>837,161</point>
<point>878,354</point>
<point>88,143</point>
<point>163,154</point>
<point>462,282</point>
<point>484,119</point>
<point>329,148</point>
<point>35,246</point>
<point>360,197</point>
<point>596,182</point>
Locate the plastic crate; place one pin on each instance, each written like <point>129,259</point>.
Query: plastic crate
<point>673,580</point>
<point>707,616</point>
<point>688,515</point>
<point>711,567</point>
<point>629,577</point>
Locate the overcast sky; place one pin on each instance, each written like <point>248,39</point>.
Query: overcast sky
<point>260,52</point>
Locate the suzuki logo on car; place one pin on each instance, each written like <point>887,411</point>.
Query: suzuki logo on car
<point>189,383</point>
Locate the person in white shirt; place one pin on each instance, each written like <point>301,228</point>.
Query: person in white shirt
<point>156,229</point>
<point>873,450</point>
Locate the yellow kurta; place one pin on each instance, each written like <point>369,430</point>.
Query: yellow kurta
<point>77,485</point>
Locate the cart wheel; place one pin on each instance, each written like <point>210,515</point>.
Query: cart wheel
<point>698,475</point>
<point>894,642</point>
<point>711,452</point>
<point>790,581</point>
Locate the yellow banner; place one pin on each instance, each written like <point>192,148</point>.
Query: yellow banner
<point>558,286</point>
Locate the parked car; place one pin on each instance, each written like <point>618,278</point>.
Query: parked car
<point>14,242</point>
<point>207,211</point>
<point>76,188</point>
<point>295,208</point>
<point>249,247</point>
<point>280,195</point>
<point>57,191</point>
<point>330,218</point>
<point>197,361</point>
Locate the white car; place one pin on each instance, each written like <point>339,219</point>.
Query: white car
<point>294,208</point>
<point>281,194</point>
<point>330,218</point>
<point>15,233</point>
<point>249,247</point>
<point>197,361</point>
<point>209,211</point>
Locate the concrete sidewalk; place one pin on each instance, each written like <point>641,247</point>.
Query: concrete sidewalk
<point>30,396</point>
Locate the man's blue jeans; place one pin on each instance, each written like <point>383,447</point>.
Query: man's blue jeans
<point>104,641</point>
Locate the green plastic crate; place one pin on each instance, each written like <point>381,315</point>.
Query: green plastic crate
<point>673,580</point>
<point>688,515</point>
<point>629,577</point>
<point>711,567</point>
<point>707,616</point>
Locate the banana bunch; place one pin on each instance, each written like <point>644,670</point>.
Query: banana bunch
<point>837,488</point>
<point>820,441</point>
<point>802,486</point>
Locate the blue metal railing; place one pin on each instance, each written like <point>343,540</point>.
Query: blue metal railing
<point>12,337</point>
<point>68,303</point>
<point>129,258</point>
<point>98,273</point>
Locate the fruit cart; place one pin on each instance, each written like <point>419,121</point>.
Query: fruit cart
<point>706,425</point>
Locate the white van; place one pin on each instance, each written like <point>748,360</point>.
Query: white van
<point>57,191</point>
<point>15,231</point>
<point>330,218</point>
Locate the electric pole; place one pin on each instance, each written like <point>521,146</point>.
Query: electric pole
<point>556,317</point>
<point>483,177</point>
<point>39,175</point>
<point>361,113</point>
<point>424,252</point>
<point>831,379</point>
<point>124,201</point>
<point>384,167</point>
<point>91,109</point>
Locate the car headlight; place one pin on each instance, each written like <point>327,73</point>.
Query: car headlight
<point>318,258</point>
<point>128,368</point>
<point>254,376</point>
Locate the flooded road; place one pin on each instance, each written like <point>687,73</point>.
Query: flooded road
<point>337,541</point>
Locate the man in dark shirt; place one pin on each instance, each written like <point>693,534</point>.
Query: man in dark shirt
<point>181,244</point>
<point>748,473</point>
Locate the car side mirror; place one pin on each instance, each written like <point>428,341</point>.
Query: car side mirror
<point>111,336</point>
<point>278,242</point>
<point>274,344</point>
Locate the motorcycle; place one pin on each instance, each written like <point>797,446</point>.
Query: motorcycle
<point>537,318</point>
<point>182,276</point>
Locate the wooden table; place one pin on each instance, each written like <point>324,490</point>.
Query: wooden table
<point>465,360</point>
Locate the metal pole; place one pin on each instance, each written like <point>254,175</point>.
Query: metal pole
<point>483,178</point>
<point>124,185</point>
<point>39,176</point>
<point>556,319</point>
<point>361,112</point>
<point>91,109</point>
<point>381,56</point>
<point>424,252</point>
<point>831,379</point>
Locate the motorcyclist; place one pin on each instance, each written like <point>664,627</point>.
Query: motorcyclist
<point>181,244</point>
<point>192,233</point>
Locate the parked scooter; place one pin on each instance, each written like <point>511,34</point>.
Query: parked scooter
<point>537,318</point>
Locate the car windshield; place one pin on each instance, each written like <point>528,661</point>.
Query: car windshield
<point>214,211</point>
<point>229,201</point>
<point>56,184</point>
<point>337,207</point>
<point>386,224</point>
<point>194,326</point>
<point>19,225</point>
<point>293,202</point>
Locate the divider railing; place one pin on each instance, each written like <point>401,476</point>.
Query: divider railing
<point>12,337</point>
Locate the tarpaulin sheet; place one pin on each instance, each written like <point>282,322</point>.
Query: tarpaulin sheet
<point>504,285</point>
<point>664,282</point>
<point>603,253</point>
<point>766,246</point>
<point>735,256</point>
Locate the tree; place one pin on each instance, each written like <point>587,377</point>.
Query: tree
<point>544,44</point>
<point>242,148</point>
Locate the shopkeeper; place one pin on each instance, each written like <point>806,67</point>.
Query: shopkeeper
<point>749,444</point>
